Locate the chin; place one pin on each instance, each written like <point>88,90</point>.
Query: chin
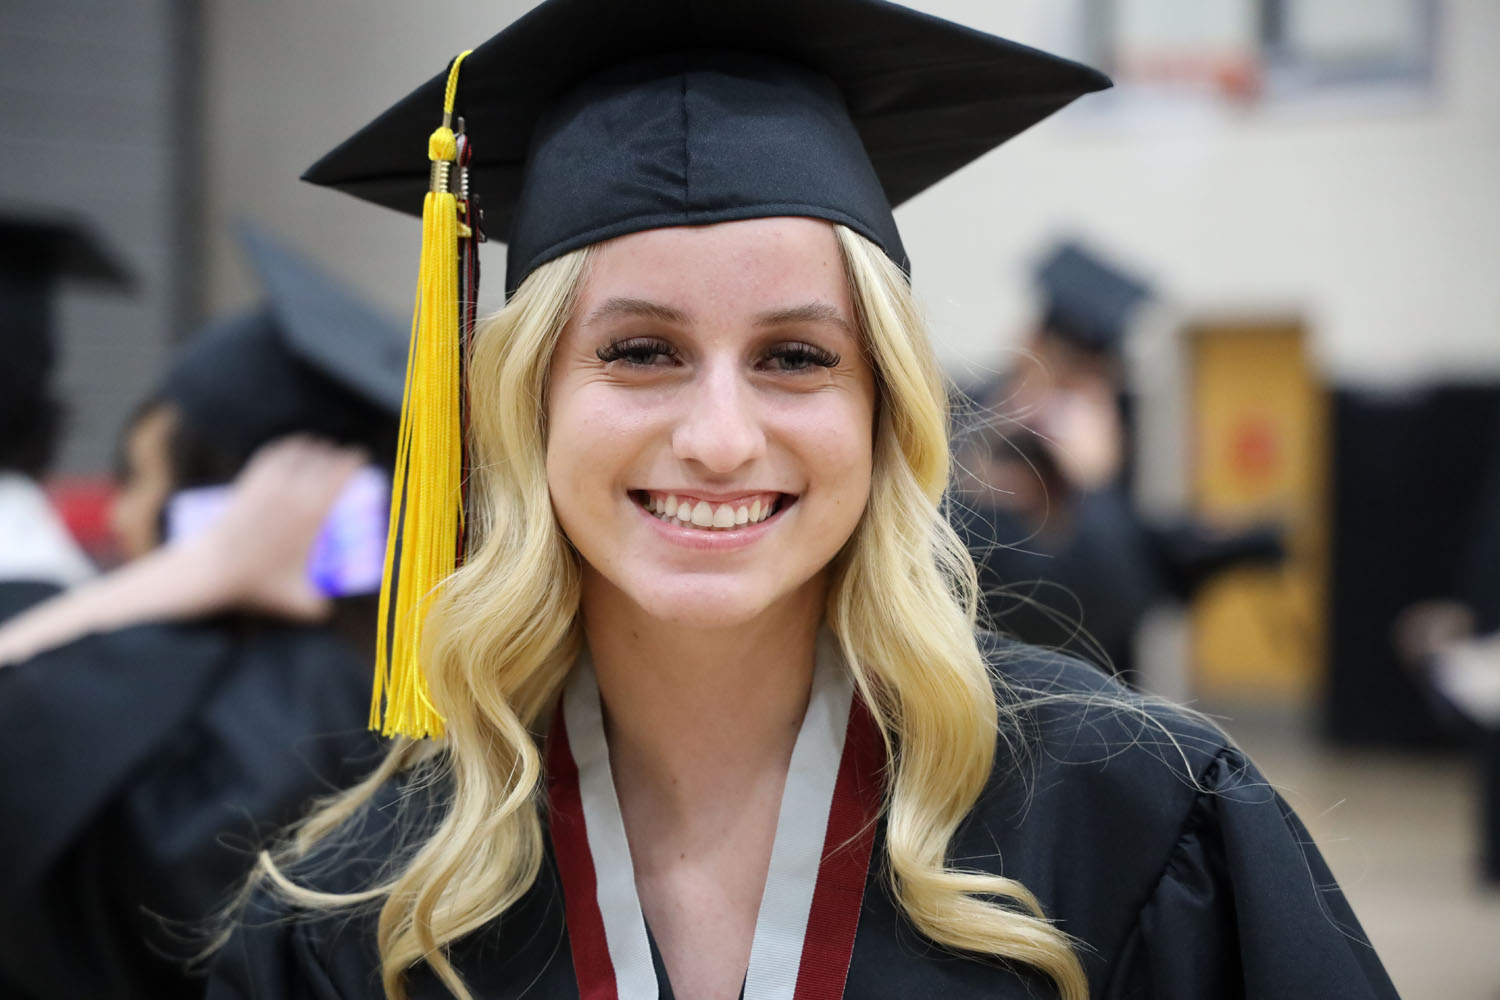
<point>706,601</point>
<point>715,608</point>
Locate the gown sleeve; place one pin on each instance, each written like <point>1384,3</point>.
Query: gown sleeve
<point>1246,909</point>
<point>269,958</point>
<point>77,721</point>
<point>279,952</point>
<point>18,595</point>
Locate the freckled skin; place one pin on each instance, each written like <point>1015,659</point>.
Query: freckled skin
<point>723,412</point>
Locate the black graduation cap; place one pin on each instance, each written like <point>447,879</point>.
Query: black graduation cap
<point>595,118</point>
<point>313,357</point>
<point>38,248</point>
<point>1089,301</point>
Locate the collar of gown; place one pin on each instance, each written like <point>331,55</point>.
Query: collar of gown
<point>34,544</point>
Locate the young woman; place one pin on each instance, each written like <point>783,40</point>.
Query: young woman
<point>715,720</point>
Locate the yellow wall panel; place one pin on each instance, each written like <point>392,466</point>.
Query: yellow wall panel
<point>1259,451</point>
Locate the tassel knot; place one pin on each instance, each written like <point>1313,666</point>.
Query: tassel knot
<point>442,146</point>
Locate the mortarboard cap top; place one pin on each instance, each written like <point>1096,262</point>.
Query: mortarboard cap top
<point>38,245</point>
<point>312,357</point>
<point>595,118</point>
<point>1089,302</point>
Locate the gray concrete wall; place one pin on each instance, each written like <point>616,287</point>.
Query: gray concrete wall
<point>87,125</point>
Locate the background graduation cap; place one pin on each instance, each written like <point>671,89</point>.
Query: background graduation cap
<point>1088,302</point>
<point>313,357</point>
<point>37,250</point>
<point>592,119</point>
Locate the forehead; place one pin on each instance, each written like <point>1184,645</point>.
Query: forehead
<point>724,269</point>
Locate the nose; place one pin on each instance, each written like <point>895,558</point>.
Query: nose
<point>719,429</point>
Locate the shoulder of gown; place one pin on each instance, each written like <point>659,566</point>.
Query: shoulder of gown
<point>1150,837</point>
<point>278,951</point>
<point>94,710</point>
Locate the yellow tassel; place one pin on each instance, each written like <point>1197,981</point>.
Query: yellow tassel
<point>426,494</point>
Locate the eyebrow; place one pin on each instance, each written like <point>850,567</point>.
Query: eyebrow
<point>622,307</point>
<point>627,308</point>
<point>812,312</point>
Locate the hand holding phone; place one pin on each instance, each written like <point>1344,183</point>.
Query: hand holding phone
<point>347,555</point>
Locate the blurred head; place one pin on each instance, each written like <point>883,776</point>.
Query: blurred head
<point>161,452</point>
<point>1066,364</point>
<point>29,422</point>
<point>29,412</point>
<point>143,480</point>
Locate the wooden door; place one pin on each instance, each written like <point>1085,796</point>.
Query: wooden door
<point>1258,450</point>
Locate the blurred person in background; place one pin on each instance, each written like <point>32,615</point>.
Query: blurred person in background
<point>159,721</point>
<point>1453,646</point>
<point>1064,558</point>
<point>37,555</point>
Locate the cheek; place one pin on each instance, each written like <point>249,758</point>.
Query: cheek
<point>119,513</point>
<point>837,445</point>
<point>132,518</point>
<point>591,436</point>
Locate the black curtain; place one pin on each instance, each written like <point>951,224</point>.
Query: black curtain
<point>1409,476</point>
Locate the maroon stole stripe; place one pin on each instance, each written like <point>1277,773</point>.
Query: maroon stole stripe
<point>845,868</point>
<point>575,865</point>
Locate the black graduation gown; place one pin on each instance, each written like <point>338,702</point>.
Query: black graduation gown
<point>1083,590</point>
<point>137,770</point>
<point>18,595</point>
<point>1148,838</point>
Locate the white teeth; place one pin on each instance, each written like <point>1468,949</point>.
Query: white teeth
<point>703,514</point>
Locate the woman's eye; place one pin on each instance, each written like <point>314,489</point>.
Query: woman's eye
<point>640,351</point>
<point>796,357</point>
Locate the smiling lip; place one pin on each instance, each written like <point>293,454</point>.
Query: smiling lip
<point>731,519</point>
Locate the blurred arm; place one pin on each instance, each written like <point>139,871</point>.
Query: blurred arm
<point>253,558</point>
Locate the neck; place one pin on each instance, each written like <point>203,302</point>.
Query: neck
<point>691,713</point>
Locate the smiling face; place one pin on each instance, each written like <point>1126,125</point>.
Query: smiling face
<point>710,416</point>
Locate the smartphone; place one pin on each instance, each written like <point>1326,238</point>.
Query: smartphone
<point>348,557</point>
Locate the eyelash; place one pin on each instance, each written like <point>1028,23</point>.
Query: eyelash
<point>643,352</point>
<point>797,356</point>
<point>640,351</point>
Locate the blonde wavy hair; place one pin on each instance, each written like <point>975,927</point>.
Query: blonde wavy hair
<point>902,603</point>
